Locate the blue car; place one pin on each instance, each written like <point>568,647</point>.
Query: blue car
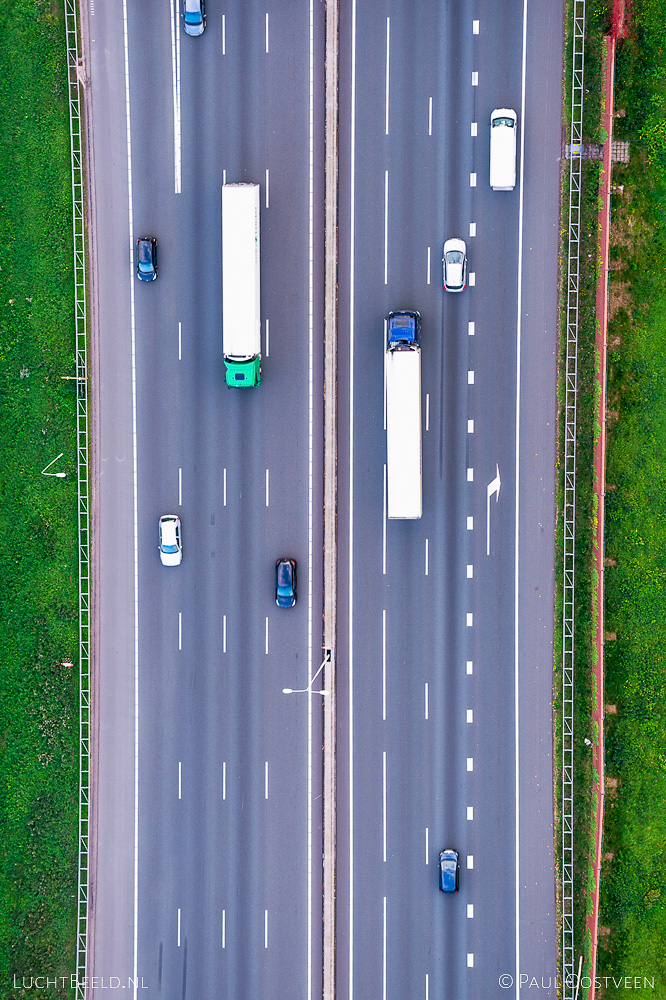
<point>146,258</point>
<point>449,871</point>
<point>285,583</point>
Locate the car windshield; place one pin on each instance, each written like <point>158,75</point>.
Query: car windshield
<point>169,548</point>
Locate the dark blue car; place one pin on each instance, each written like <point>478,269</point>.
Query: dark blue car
<point>285,583</point>
<point>146,258</point>
<point>449,870</point>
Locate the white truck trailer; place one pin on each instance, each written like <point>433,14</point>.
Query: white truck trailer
<point>403,414</point>
<point>503,132</point>
<point>241,286</point>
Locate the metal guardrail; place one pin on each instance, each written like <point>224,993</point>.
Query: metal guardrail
<point>571,379</point>
<point>74,65</point>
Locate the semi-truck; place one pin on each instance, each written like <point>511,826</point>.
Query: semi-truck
<point>403,413</point>
<point>241,287</point>
<point>503,130</point>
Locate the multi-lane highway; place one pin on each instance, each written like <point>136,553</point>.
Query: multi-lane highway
<point>206,876</point>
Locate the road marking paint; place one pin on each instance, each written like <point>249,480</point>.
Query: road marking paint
<point>384,956</point>
<point>350,561</point>
<point>471,327</point>
<point>472,180</point>
<point>470,765</point>
<point>180,779</point>
<point>427,411</point>
<point>267,340</point>
<point>426,700</point>
<point>384,353</point>
<point>175,83</point>
<point>386,227</point>
<point>470,571</point>
<point>475,27</point>
<point>179,927</point>
<point>426,557</point>
<point>472,229</point>
<point>224,780</point>
<point>224,177</point>
<point>266,32</point>
<point>470,523</point>
<point>224,34</point>
<point>267,487</point>
<point>469,619</point>
<point>266,635</point>
<point>426,992</point>
<point>472,279</point>
<point>470,911</point>
<point>267,188</point>
<point>180,342</point>
<point>428,268</point>
<point>180,487</point>
<point>388,50</point>
<point>384,528</point>
<point>266,780</point>
<point>384,665</point>
<point>470,715</point>
<point>470,812</point>
<point>265,928</point>
<point>430,116</point>
<point>224,633</point>
<point>470,426</point>
<point>470,378</point>
<point>384,798</point>
<point>427,852</point>
<point>224,928</point>
<point>224,489</point>
<point>470,475</point>
<point>180,630</point>
<point>470,666</point>
<point>470,959</point>
<point>470,860</point>
<point>474,129</point>
<point>475,78</point>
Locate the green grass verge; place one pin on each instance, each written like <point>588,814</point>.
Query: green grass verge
<point>633,900</point>
<point>38,527</point>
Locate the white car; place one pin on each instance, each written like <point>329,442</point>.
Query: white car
<point>171,549</point>
<point>454,265</point>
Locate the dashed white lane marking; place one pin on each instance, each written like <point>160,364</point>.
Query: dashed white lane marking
<point>470,763</point>
<point>428,268</point>
<point>265,928</point>
<point>475,27</point>
<point>180,487</point>
<point>426,700</point>
<point>426,990</point>
<point>470,475</point>
<point>474,129</point>
<point>470,959</point>
<point>180,779</point>
<point>426,858</point>
<point>470,571</point>
<point>386,182</point>
<point>180,630</point>
<point>180,341</point>
<point>266,635</point>
<point>267,341</point>
<point>388,52</point>
<point>224,780</point>
<point>470,860</point>
<point>224,928</point>
<point>224,633</point>
<point>224,489</point>
<point>178,932</point>
<point>426,557</point>
<point>224,177</point>
<point>470,426</point>
<point>470,812</point>
<point>267,187</point>
<point>470,378</point>
<point>470,666</point>
<point>470,911</point>
<point>224,34</point>
<point>267,478</point>
<point>472,180</point>
<point>266,32</point>
<point>427,411</point>
<point>384,798</point>
<point>471,327</point>
<point>472,279</point>
<point>475,78</point>
<point>384,665</point>
<point>266,779</point>
<point>430,116</point>
<point>470,524</point>
<point>470,715</point>
<point>472,229</point>
<point>469,618</point>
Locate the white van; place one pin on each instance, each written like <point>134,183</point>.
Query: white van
<point>503,131</point>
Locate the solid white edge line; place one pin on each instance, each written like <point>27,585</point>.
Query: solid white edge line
<point>388,53</point>
<point>517,518</point>
<point>310,491</point>
<point>135,512</point>
<point>351,503</point>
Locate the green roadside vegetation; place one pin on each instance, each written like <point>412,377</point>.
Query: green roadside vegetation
<point>38,514</point>
<point>633,900</point>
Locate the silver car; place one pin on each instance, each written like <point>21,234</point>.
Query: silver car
<point>454,265</point>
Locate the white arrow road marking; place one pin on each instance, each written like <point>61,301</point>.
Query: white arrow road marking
<point>493,487</point>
